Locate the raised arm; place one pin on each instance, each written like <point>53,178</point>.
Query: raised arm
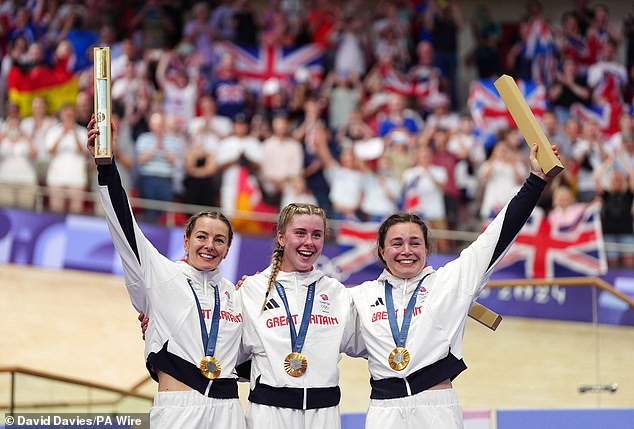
<point>134,248</point>
<point>479,259</point>
<point>520,208</point>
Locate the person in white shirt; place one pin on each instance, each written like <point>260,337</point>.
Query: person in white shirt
<point>17,172</point>
<point>209,125</point>
<point>500,177</point>
<point>412,318</point>
<point>297,321</point>
<point>35,127</point>
<point>179,86</point>
<point>381,191</point>
<point>344,177</point>
<point>296,191</point>
<point>588,152</point>
<point>425,182</point>
<point>232,151</point>
<point>193,334</point>
<point>282,159</point>
<point>67,174</point>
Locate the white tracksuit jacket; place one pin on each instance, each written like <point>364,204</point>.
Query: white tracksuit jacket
<point>160,288</point>
<point>442,304</point>
<point>266,335</point>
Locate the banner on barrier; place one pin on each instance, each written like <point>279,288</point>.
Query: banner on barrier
<point>84,243</point>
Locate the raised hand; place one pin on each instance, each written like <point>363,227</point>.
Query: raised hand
<point>535,168</point>
<point>93,132</point>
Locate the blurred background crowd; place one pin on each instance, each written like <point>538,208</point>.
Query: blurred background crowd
<point>351,105</point>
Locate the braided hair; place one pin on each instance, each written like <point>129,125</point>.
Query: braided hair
<point>285,217</point>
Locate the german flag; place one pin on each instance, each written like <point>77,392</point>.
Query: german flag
<point>249,199</point>
<point>57,84</point>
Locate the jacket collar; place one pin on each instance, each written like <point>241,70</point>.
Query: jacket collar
<point>409,284</point>
<point>293,277</point>
<point>201,277</point>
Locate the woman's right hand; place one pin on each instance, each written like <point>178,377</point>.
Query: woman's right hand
<point>144,322</point>
<point>93,132</point>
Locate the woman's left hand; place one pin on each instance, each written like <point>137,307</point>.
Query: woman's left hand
<point>536,169</point>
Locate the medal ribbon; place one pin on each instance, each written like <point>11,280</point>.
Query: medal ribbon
<point>209,339</point>
<point>400,335</point>
<point>297,340</point>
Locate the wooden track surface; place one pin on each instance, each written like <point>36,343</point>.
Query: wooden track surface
<point>82,325</point>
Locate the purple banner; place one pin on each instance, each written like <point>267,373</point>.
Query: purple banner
<point>84,243</point>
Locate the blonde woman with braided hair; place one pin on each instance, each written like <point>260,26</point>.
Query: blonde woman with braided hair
<point>297,322</point>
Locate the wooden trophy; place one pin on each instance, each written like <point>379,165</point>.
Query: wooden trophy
<point>526,122</point>
<point>103,108</point>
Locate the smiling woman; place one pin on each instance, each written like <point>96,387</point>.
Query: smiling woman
<point>207,239</point>
<point>405,245</point>
<point>297,321</point>
<point>412,318</point>
<point>195,317</point>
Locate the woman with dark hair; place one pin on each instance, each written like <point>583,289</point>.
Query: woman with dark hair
<point>186,301</point>
<point>412,318</point>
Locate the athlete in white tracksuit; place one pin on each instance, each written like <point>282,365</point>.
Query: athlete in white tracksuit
<point>420,395</point>
<point>164,291</point>
<point>277,399</point>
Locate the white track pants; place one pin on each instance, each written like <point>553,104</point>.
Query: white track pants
<point>267,417</point>
<point>430,409</point>
<point>190,409</point>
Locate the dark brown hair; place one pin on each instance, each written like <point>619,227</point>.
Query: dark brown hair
<point>397,218</point>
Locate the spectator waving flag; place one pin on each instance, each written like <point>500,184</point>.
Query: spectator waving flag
<point>545,250</point>
<point>394,81</point>
<point>606,115</point>
<point>410,197</point>
<point>256,64</point>
<point>607,80</point>
<point>489,112</point>
<point>576,49</point>
<point>249,199</point>
<point>542,50</point>
<point>56,83</point>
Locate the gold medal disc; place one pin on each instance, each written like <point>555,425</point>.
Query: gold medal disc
<point>399,358</point>
<point>210,367</point>
<point>295,364</point>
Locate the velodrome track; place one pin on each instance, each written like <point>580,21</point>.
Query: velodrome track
<point>81,325</point>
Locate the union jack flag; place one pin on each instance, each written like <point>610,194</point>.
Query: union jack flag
<point>410,198</point>
<point>256,64</point>
<point>596,39</point>
<point>359,242</point>
<point>576,49</point>
<point>542,49</point>
<point>607,79</point>
<point>417,84</point>
<point>547,250</point>
<point>605,115</point>
<point>489,111</point>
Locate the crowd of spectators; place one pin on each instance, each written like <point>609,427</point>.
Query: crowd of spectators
<point>381,128</point>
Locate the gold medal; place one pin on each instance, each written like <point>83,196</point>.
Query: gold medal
<point>399,358</point>
<point>210,367</point>
<point>295,364</point>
